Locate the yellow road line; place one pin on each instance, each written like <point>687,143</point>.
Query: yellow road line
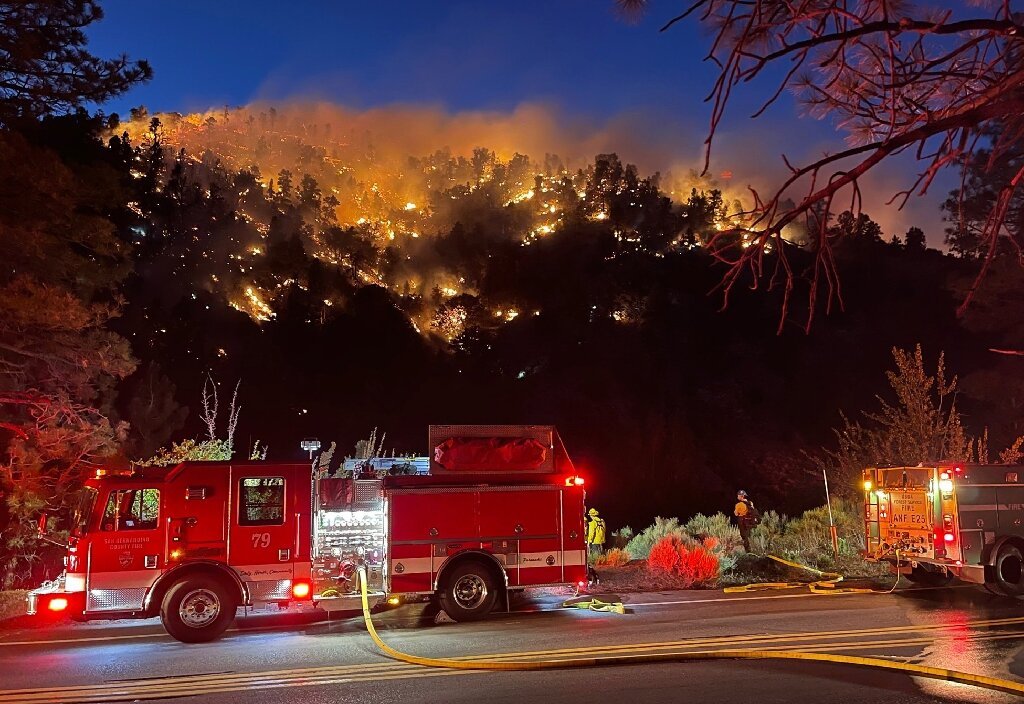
<point>706,641</point>
<point>150,689</point>
<point>659,645</point>
<point>190,689</point>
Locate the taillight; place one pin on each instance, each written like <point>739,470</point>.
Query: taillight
<point>57,603</point>
<point>300,590</point>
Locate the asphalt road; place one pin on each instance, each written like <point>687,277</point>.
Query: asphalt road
<point>292,658</point>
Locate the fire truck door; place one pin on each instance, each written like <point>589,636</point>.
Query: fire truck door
<point>529,520</point>
<point>125,556</point>
<point>263,534</point>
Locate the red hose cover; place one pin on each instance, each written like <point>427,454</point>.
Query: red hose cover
<point>490,454</point>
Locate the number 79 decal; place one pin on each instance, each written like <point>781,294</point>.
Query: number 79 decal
<point>261,540</point>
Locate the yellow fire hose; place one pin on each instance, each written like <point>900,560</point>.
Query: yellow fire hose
<point>633,659</point>
<point>827,584</point>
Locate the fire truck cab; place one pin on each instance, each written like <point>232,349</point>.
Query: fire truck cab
<point>501,510</point>
<point>949,521</point>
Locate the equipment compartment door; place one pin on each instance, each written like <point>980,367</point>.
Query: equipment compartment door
<point>425,528</point>
<point>265,528</point>
<point>530,516</point>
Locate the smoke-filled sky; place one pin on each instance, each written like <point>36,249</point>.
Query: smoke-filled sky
<point>578,60</point>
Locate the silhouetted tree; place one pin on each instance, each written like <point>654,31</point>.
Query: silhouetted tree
<point>914,240</point>
<point>955,76</point>
<point>44,66</point>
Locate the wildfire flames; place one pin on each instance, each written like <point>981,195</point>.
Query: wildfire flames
<point>351,175</point>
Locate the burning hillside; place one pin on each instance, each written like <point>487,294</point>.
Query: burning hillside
<point>405,201</point>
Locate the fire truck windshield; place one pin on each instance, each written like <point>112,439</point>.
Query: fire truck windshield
<point>82,509</point>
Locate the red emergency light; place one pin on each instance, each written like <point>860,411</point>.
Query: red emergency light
<point>574,481</point>
<point>949,537</point>
<point>301,589</point>
<point>58,603</point>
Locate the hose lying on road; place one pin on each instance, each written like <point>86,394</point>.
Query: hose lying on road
<point>593,604</point>
<point>827,584</point>
<point>937,673</point>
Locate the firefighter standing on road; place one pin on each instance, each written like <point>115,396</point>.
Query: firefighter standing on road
<point>746,517</point>
<point>595,531</point>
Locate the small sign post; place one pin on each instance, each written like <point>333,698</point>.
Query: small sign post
<point>831,522</point>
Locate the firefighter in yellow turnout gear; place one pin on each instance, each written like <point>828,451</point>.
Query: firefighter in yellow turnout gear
<point>595,531</point>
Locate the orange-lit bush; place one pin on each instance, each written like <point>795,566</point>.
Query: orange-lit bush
<point>665,554</point>
<point>613,558</point>
<point>698,564</point>
<point>693,562</point>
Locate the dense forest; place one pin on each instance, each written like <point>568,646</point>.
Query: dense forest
<point>347,285</point>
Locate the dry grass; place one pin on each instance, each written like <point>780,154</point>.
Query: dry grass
<point>612,558</point>
<point>636,577</point>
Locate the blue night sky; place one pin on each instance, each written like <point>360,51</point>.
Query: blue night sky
<point>576,56</point>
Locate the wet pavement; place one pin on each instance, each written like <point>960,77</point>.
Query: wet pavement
<point>300,657</point>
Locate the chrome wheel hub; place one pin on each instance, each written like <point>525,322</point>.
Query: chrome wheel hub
<point>469,591</point>
<point>199,608</point>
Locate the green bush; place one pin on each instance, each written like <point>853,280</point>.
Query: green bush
<point>719,527</point>
<point>726,542</point>
<point>807,539</point>
<point>639,547</point>
<point>766,537</point>
<point>619,538</point>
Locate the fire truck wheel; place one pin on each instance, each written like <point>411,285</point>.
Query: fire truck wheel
<point>929,577</point>
<point>469,591</point>
<point>1009,571</point>
<point>197,609</point>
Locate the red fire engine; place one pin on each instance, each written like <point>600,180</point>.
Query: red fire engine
<point>500,510</point>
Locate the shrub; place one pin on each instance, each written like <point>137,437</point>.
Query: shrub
<point>693,562</point>
<point>766,537</point>
<point>719,527</point>
<point>664,555</point>
<point>698,564</point>
<point>615,557</point>
<point>807,539</point>
<point>639,547</point>
<point>620,537</point>
<point>719,536</point>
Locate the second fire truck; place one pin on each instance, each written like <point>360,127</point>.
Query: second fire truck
<point>501,509</point>
<point>950,520</point>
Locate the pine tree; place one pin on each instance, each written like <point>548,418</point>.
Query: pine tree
<point>44,67</point>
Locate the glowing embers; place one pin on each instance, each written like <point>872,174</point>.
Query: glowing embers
<point>521,197</point>
<point>450,321</point>
<point>254,305</point>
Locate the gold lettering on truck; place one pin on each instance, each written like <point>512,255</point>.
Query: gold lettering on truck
<point>909,509</point>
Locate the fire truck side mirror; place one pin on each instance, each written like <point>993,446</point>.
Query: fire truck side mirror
<point>41,530</point>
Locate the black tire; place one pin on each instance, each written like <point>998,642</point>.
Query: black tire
<point>929,577</point>
<point>469,592</point>
<point>198,609</point>
<point>1008,571</point>
<point>994,589</point>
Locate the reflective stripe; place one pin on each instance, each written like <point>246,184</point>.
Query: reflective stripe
<point>526,560</point>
